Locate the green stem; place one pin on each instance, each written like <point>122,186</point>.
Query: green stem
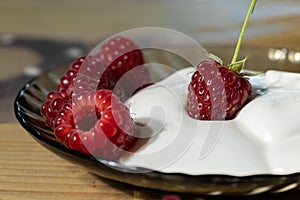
<point>238,46</point>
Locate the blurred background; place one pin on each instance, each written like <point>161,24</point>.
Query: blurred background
<point>36,36</point>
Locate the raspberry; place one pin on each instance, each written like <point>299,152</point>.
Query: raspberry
<point>52,105</point>
<point>85,74</point>
<point>125,61</point>
<point>121,55</point>
<point>93,123</point>
<point>215,92</point>
<point>119,64</point>
<point>84,113</point>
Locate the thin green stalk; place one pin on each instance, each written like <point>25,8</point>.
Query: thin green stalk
<point>238,46</point>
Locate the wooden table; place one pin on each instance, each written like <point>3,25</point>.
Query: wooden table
<point>27,170</point>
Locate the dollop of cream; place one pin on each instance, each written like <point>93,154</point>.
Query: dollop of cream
<point>264,138</point>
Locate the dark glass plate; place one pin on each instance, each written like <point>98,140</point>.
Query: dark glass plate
<point>32,95</point>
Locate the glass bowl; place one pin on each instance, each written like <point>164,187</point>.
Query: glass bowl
<point>32,95</point>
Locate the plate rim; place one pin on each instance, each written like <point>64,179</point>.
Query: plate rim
<point>36,134</point>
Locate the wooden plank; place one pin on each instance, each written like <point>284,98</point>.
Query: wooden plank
<point>35,173</point>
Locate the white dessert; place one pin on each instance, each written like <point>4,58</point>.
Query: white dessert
<point>263,139</point>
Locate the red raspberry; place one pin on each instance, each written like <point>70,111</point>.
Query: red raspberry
<point>95,123</point>
<point>53,104</point>
<point>215,92</point>
<point>84,113</point>
<point>125,61</point>
<point>67,81</point>
<point>119,64</point>
<point>85,74</point>
<point>121,55</point>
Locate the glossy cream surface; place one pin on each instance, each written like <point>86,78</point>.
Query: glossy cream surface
<point>264,138</point>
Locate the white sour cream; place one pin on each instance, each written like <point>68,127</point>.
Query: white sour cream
<point>264,138</point>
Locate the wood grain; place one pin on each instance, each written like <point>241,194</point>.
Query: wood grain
<point>206,21</point>
<point>28,171</point>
